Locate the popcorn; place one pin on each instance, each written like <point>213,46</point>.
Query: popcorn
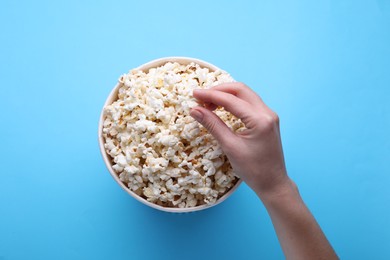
<point>168,140</point>
<point>159,151</point>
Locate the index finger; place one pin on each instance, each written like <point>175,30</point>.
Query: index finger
<point>231,103</point>
<point>241,91</point>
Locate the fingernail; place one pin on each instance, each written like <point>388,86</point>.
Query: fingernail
<point>197,115</point>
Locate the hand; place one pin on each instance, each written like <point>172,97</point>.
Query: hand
<point>256,153</point>
<point>257,157</point>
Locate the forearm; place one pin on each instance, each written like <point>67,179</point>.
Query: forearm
<point>298,232</point>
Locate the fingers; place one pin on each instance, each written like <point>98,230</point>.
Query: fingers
<point>210,106</point>
<point>241,91</point>
<point>214,125</point>
<point>231,103</point>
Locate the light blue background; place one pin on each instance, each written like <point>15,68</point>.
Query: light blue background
<point>323,66</point>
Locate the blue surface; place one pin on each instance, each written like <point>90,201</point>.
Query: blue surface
<point>324,66</point>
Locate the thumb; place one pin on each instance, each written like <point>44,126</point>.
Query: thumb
<point>214,125</point>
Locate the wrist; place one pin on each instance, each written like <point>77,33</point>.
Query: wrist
<point>286,190</point>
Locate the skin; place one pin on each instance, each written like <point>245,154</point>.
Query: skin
<point>256,156</point>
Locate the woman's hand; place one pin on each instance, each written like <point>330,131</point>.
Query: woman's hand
<point>257,157</point>
<point>256,153</point>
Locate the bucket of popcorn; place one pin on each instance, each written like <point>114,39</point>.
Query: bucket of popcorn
<point>151,145</point>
